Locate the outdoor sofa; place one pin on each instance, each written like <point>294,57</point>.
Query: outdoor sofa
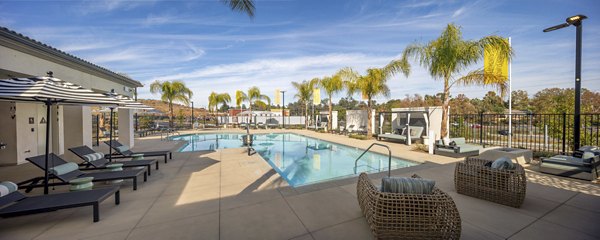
<point>583,164</point>
<point>476,178</point>
<point>87,155</point>
<point>123,151</point>
<point>401,134</point>
<point>99,176</point>
<point>408,216</point>
<point>16,204</point>
<point>456,147</point>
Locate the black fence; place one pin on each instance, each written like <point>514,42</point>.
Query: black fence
<point>545,133</point>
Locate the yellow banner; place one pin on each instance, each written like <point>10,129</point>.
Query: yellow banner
<point>277,97</point>
<point>494,63</point>
<point>317,96</point>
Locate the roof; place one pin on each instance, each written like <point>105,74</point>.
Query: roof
<point>37,45</point>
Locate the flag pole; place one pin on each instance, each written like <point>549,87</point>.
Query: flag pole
<point>509,98</point>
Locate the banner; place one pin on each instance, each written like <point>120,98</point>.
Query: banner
<point>317,96</point>
<point>495,64</point>
<point>277,97</point>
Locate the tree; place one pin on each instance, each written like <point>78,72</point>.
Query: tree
<point>303,94</point>
<point>172,91</point>
<point>254,98</point>
<point>449,54</point>
<point>332,85</point>
<point>216,99</point>
<point>492,103</point>
<point>244,6</point>
<point>462,105</point>
<point>520,100</point>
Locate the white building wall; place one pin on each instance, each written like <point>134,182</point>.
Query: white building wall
<point>126,130</point>
<point>78,132</point>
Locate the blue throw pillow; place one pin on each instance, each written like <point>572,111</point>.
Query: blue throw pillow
<point>407,185</point>
<point>503,163</point>
<point>7,188</point>
<point>64,168</point>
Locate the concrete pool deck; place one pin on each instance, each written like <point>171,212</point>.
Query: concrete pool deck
<point>226,194</point>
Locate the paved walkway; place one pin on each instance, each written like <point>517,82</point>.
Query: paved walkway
<point>228,195</point>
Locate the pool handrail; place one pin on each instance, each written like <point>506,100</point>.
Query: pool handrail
<point>389,157</point>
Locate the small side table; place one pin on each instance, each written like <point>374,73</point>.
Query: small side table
<point>81,184</point>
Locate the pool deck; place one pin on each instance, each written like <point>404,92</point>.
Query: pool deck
<point>226,194</point>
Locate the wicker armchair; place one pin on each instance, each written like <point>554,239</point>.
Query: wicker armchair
<point>506,187</point>
<point>408,216</point>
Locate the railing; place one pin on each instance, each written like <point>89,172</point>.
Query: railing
<point>389,158</point>
<point>543,133</point>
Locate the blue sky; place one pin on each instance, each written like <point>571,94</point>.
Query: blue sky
<point>214,49</point>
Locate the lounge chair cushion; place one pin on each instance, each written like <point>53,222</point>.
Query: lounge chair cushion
<point>64,168</point>
<point>588,156</point>
<point>123,148</point>
<point>503,163</point>
<point>407,185</point>
<point>7,188</point>
<point>92,157</point>
<point>458,141</point>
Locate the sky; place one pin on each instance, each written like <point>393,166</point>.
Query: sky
<point>212,48</point>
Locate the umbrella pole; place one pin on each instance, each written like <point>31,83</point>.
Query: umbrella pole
<point>110,133</point>
<point>48,105</point>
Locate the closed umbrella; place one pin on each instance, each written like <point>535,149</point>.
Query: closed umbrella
<point>50,91</point>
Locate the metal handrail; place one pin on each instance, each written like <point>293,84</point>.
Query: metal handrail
<point>389,157</point>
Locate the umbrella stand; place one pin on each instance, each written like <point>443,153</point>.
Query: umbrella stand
<point>48,105</point>
<point>110,133</point>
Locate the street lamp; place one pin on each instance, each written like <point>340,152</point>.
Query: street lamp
<point>283,112</point>
<point>192,115</point>
<point>575,21</point>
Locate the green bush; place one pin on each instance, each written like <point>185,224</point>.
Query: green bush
<point>358,136</point>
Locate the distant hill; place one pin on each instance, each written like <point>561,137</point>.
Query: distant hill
<point>177,108</point>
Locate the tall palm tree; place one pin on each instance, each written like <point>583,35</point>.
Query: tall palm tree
<point>244,6</point>
<point>216,99</point>
<point>256,98</point>
<point>332,85</point>
<point>449,54</point>
<point>303,93</point>
<point>240,97</point>
<point>171,92</point>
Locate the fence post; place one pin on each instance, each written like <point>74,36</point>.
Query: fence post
<point>545,137</point>
<point>564,132</point>
<point>97,130</point>
<point>481,128</point>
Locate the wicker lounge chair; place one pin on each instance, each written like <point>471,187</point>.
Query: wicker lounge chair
<point>507,187</point>
<point>17,204</point>
<point>128,153</point>
<point>81,151</point>
<point>99,176</point>
<point>408,216</point>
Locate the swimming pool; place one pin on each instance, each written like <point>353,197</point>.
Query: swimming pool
<point>300,160</point>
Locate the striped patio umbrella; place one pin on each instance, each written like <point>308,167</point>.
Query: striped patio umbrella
<point>50,91</point>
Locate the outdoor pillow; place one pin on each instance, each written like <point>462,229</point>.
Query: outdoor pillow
<point>123,148</point>
<point>407,185</point>
<point>7,188</point>
<point>503,163</point>
<point>93,157</point>
<point>453,143</point>
<point>588,156</point>
<point>64,168</point>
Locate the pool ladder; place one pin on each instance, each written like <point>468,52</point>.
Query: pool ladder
<point>389,158</point>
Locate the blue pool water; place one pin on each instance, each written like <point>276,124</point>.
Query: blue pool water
<point>299,159</point>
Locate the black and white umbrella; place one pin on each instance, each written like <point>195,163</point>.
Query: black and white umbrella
<point>50,91</point>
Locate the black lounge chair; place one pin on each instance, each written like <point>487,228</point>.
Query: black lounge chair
<point>81,151</point>
<point>127,154</point>
<point>17,204</point>
<point>100,176</point>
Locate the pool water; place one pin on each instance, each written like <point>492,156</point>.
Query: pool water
<point>300,160</point>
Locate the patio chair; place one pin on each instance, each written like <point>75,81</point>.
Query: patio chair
<point>582,165</point>
<point>473,178</point>
<point>348,130</point>
<point>100,176</point>
<point>408,216</point>
<point>16,204</point>
<point>84,152</point>
<point>459,149</point>
<point>361,130</point>
<point>123,151</point>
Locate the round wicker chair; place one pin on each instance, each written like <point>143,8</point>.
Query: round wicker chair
<point>408,216</point>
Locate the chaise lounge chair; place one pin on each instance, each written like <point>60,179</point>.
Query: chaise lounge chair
<point>582,165</point>
<point>84,152</point>
<point>123,151</point>
<point>16,204</point>
<point>459,149</point>
<point>415,134</point>
<point>54,161</point>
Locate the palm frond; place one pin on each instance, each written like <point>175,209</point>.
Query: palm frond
<point>244,6</point>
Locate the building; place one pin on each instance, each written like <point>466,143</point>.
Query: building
<point>22,125</point>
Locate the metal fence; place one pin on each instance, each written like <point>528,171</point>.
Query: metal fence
<point>547,133</point>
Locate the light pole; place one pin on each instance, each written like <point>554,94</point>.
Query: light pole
<point>283,112</point>
<point>192,115</point>
<point>575,21</point>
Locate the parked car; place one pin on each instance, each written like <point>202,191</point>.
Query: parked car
<point>503,132</point>
<point>476,125</point>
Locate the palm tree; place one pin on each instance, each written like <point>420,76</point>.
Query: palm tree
<point>332,85</point>
<point>216,99</point>
<point>303,93</point>
<point>240,97</point>
<point>254,97</point>
<point>449,54</point>
<point>244,6</point>
<point>172,91</point>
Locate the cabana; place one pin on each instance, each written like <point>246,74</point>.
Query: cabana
<point>410,124</point>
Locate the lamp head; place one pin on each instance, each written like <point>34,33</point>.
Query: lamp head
<point>576,20</point>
